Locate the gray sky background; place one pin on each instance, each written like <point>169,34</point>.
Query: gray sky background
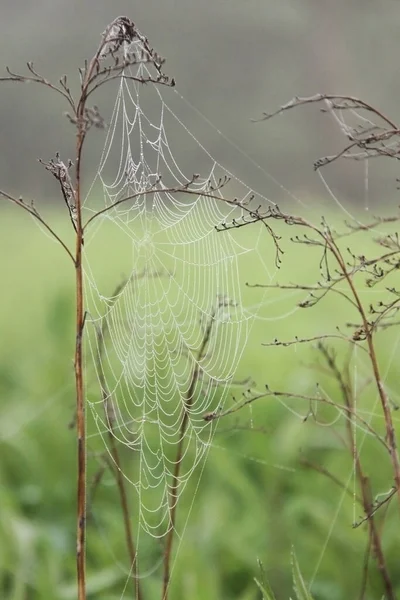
<point>232,59</point>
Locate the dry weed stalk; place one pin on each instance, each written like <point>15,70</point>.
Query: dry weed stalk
<point>341,270</point>
<point>110,62</point>
<point>222,303</point>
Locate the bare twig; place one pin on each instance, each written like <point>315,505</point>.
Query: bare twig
<point>321,469</point>
<point>32,210</point>
<point>350,102</point>
<point>36,78</point>
<point>249,397</point>
<point>376,506</point>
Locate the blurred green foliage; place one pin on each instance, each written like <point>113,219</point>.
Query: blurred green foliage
<point>254,501</point>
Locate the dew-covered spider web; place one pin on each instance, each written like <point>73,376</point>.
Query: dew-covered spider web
<point>166,338</point>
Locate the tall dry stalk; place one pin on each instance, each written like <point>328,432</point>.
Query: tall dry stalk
<point>110,62</point>
<point>345,273</point>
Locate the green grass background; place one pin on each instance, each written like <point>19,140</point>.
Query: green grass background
<point>254,502</point>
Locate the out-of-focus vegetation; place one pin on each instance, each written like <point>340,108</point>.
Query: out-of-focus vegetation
<point>256,499</point>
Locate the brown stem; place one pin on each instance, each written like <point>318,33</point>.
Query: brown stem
<point>175,484</point>
<point>390,433</point>
<point>30,208</point>
<point>133,556</point>
<point>173,499</point>
<point>212,416</point>
<point>88,75</point>
<point>363,480</point>
<point>80,400</point>
<point>184,189</point>
<point>79,379</point>
<point>364,576</point>
<point>80,421</point>
<point>117,468</point>
<point>317,98</point>
<point>15,77</point>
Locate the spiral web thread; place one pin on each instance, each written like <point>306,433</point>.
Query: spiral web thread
<point>167,341</point>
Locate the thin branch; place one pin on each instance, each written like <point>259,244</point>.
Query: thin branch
<point>152,190</point>
<point>117,467</point>
<point>346,389</point>
<point>324,289</point>
<point>318,98</point>
<point>185,189</point>
<point>317,338</point>
<point>36,78</point>
<point>376,506</point>
<point>212,416</point>
<point>320,469</point>
<point>30,208</point>
<point>365,569</point>
<point>143,80</point>
<point>390,432</point>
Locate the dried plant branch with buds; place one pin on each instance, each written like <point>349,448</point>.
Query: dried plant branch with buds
<point>345,273</point>
<point>122,45</point>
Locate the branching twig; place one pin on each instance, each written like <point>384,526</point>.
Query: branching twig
<point>32,210</point>
<point>350,102</point>
<point>36,78</point>
<point>249,398</point>
<point>117,37</point>
<point>376,506</point>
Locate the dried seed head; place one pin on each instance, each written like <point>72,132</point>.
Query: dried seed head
<point>119,32</point>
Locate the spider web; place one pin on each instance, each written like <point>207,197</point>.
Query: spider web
<point>167,341</point>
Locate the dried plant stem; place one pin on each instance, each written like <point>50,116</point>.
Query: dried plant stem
<point>330,246</point>
<point>117,466</point>
<point>79,379</point>
<point>390,432</point>
<point>342,101</point>
<point>173,500</point>
<point>175,484</point>
<point>249,399</point>
<point>120,33</point>
<point>79,382</point>
<point>89,77</point>
<point>133,556</point>
<point>363,480</point>
<point>81,436</point>
<point>364,576</point>
<point>30,208</point>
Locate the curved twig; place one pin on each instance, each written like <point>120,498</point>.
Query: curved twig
<point>29,208</point>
